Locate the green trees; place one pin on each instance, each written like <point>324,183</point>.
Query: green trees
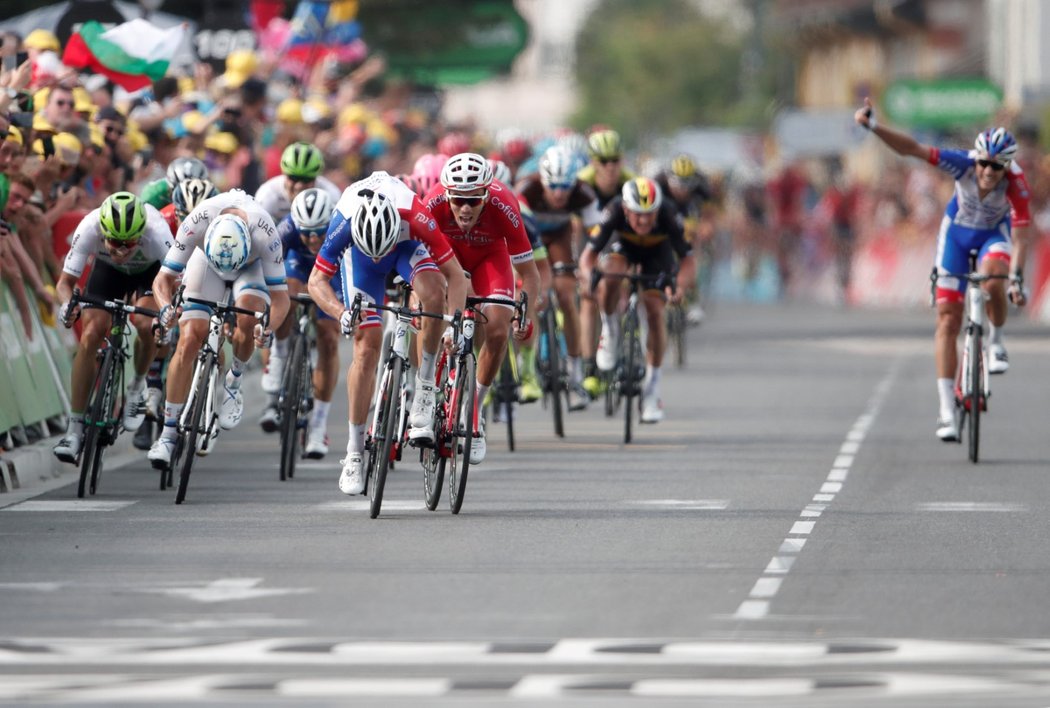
<point>649,67</point>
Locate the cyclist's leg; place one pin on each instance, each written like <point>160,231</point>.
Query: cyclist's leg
<point>610,290</point>
<point>952,257</point>
<point>530,388</point>
<point>326,375</point>
<point>415,266</point>
<point>560,252</point>
<point>994,259</point>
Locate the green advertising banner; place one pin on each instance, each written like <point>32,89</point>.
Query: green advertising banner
<point>445,43</point>
<point>942,103</point>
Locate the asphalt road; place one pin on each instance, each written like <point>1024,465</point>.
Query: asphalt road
<point>793,534</point>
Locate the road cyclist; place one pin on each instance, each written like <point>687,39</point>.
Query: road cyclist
<point>643,230</point>
<point>228,240</point>
<point>481,220</point>
<point>379,226</point>
<point>989,213</point>
<point>128,240</point>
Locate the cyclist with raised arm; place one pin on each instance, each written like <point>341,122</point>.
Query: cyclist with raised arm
<point>228,240</point>
<point>554,197</point>
<point>641,229</point>
<point>481,219</point>
<point>302,233</point>
<point>128,240</point>
<point>988,213</point>
<point>379,226</point>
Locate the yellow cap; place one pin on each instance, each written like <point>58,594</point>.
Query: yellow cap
<point>240,65</point>
<point>290,110</point>
<point>186,84</point>
<point>42,39</point>
<point>41,125</point>
<point>40,98</point>
<point>82,102</point>
<point>97,138</point>
<point>225,143</point>
<point>354,113</point>
<point>135,137</point>
<point>316,109</point>
<point>68,148</point>
<point>14,135</point>
<point>194,121</point>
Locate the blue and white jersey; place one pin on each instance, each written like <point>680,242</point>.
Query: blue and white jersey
<point>966,208</point>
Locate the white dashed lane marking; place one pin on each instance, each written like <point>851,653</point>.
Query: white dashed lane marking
<point>756,606</point>
<point>64,505</point>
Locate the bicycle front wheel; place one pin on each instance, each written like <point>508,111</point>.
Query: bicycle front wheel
<point>97,414</point>
<point>463,431</point>
<point>433,458</point>
<point>288,408</point>
<point>195,425</point>
<point>975,376</point>
<point>555,379</point>
<point>383,436</point>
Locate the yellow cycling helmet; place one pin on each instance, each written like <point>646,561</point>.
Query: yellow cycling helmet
<point>641,195</point>
<point>683,167</point>
<point>605,145</point>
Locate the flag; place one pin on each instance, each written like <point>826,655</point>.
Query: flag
<point>132,54</point>
<point>320,29</point>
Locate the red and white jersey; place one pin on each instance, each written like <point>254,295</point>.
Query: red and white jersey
<point>499,226</point>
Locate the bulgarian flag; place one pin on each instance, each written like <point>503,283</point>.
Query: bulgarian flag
<point>133,54</point>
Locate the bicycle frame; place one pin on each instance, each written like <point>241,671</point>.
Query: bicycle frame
<point>104,415</point>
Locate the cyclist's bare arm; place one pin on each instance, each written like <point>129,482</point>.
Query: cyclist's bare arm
<point>900,143</point>
<point>164,289</point>
<point>456,293</point>
<point>321,291</point>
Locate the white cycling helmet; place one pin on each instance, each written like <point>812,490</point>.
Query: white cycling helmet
<point>375,225</point>
<point>183,168</point>
<point>557,168</point>
<point>189,193</point>
<point>466,171</point>
<point>312,210</point>
<point>227,243</point>
<point>500,171</point>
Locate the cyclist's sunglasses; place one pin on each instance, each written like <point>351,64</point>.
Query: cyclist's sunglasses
<point>302,180</point>
<point>122,245</point>
<point>608,160</point>
<point>471,201</point>
<point>317,233</point>
<point>559,186</point>
<point>997,166</point>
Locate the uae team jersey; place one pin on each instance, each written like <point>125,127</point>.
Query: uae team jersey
<point>266,244</point>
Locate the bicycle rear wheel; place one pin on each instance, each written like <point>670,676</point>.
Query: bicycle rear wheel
<point>631,384</point>
<point>463,431</point>
<point>108,432</point>
<point>676,333</point>
<point>195,426</point>
<point>432,458</point>
<point>976,381</point>
<point>97,412</point>
<point>288,408</point>
<point>506,395</point>
<point>555,381</point>
<point>383,436</point>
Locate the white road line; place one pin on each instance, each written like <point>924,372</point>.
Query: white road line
<point>971,506</point>
<point>666,688</point>
<point>322,688</point>
<point>64,505</point>
<point>688,504</point>
<point>362,505</point>
<point>767,586</point>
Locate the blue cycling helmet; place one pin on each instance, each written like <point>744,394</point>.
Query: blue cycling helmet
<point>996,144</point>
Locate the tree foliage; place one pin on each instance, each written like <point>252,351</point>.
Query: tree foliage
<point>650,67</point>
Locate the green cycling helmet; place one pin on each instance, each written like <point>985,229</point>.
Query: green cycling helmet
<point>122,217</point>
<point>302,161</point>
